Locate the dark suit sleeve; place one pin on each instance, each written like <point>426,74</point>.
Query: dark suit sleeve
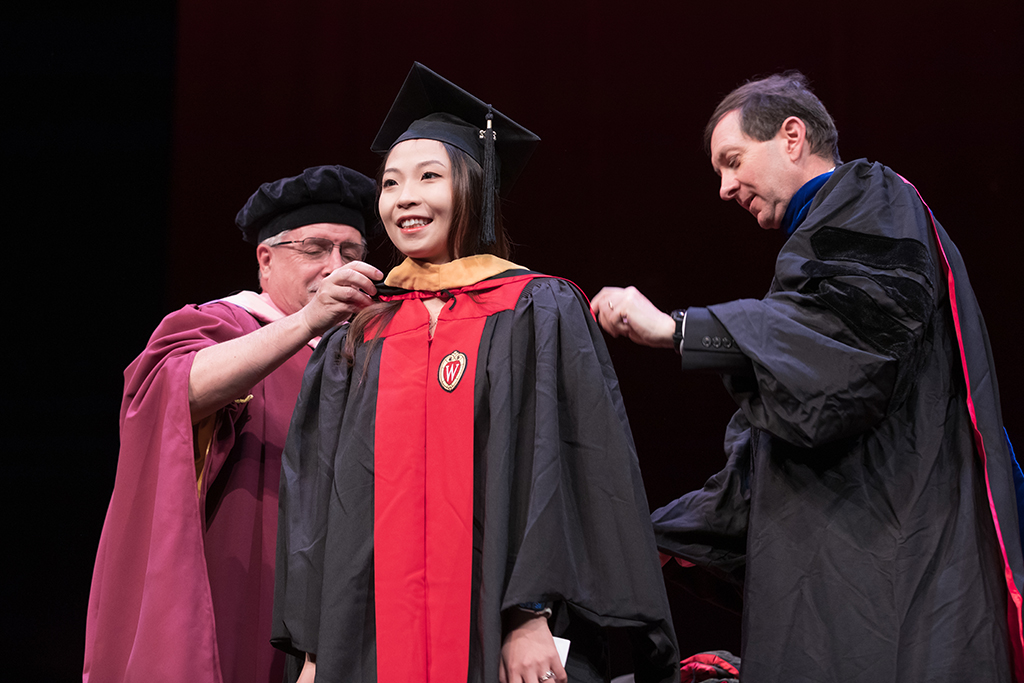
<point>707,345</point>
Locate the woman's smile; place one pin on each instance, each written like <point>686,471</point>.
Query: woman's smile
<point>413,225</point>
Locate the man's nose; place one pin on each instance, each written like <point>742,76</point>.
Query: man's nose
<point>729,187</point>
<point>333,260</point>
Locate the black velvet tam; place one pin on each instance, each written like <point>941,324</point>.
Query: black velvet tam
<point>321,194</point>
<point>431,107</point>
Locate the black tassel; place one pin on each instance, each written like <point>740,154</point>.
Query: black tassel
<point>487,219</point>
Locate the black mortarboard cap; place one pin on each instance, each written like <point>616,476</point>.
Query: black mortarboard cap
<point>432,107</point>
<point>321,194</point>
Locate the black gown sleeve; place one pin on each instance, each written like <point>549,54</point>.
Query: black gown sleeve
<point>578,529</point>
<point>836,344</point>
<point>307,477</point>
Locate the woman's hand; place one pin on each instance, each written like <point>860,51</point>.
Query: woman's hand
<point>308,673</point>
<point>528,654</point>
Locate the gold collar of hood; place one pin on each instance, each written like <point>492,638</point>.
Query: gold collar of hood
<point>428,277</point>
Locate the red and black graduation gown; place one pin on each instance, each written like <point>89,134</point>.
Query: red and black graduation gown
<point>438,481</point>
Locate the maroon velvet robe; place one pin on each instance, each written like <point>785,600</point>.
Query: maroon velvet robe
<point>184,578</point>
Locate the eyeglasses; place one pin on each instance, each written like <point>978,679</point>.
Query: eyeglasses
<point>320,248</point>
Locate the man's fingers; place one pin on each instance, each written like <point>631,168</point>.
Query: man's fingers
<point>602,307</point>
<point>600,302</point>
<point>357,274</point>
<point>614,317</point>
<point>351,278</point>
<point>364,268</point>
<point>333,293</point>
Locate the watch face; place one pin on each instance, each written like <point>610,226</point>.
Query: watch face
<point>678,314</point>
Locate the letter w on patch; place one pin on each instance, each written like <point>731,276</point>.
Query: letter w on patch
<point>450,371</point>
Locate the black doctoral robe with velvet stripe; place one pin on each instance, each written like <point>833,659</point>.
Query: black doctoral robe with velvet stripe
<point>874,529</point>
<point>558,507</point>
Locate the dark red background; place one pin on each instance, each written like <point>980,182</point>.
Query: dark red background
<point>133,135</point>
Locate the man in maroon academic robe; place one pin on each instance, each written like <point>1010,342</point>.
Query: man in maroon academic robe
<point>184,578</point>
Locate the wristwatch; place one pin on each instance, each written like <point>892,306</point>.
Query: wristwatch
<point>679,315</point>
<point>537,609</point>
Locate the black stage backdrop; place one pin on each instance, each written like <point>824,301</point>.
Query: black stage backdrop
<point>132,133</point>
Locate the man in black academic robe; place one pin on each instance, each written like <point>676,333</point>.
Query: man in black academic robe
<point>867,503</point>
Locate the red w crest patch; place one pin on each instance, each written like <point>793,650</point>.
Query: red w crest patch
<point>450,371</point>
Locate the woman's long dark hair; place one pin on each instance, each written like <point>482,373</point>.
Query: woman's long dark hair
<point>467,178</point>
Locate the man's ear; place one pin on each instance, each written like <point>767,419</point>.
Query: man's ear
<point>793,132</point>
<point>263,257</point>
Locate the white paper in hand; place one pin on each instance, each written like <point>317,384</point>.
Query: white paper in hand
<point>562,645</point>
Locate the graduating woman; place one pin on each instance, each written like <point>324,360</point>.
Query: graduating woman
<point>460,483</point>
